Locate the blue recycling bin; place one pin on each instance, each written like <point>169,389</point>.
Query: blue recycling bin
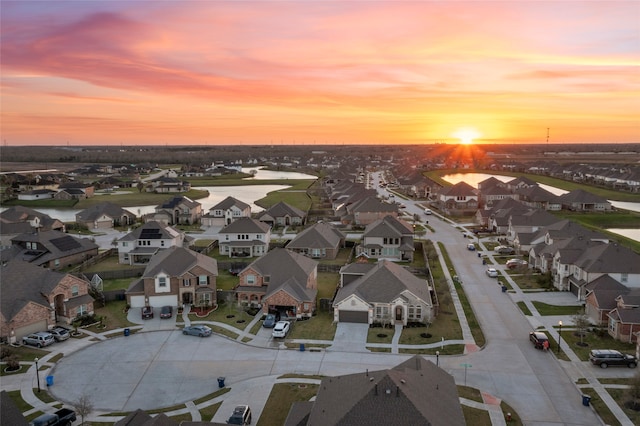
<point>586,399</point>
<point>49,380</point>
<point>221,382</point>
<point>504,288</point>
<point>301,347</point>
<point>127,331</point>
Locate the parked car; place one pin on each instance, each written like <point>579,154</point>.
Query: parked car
<point>62,417</point>
<point>60,334</point>
<point>471,247</point>
<point>538,338</point>
<point>428,212</point>
<point>39,339</point>
<point>281,329</point>
<point>607,357</point>
<point>147,312</point>
<point>197,330</point>
<point>166,312</point>
<point>269,321</point>
<point>241,416</point>
<point>492,272</point>
<point>504,250</point>
<point>516,263</point>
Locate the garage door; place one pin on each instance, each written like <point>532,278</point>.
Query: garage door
<point>31,328</point>
<point>354,316</point>
<point>157,301</point>
<point>137,301</point>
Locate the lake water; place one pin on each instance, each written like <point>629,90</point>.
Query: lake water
<point>474,178</point>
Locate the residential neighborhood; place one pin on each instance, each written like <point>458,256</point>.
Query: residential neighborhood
<point>379,264</point>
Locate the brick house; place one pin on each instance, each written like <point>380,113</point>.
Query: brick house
<point>179,210</point>
<point>225,212</point>
<point>458,200</point>
<point>624,319</point>
<point>387,238</point>
<point>105,216</point>
<point>36,299</point>
<point>280,281</point>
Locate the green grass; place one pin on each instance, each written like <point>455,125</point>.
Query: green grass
<point>135,198</point>
<point>282,396</point>
<point>327,284</point>
<point>523,308</point>
<point>593,341</point>
<point>620,397</point>
<point>375,335</point>
<point>207,413</point>
<point>114,315</point>
<point>27,354</point>
<point>545,309</point>
<point>476,416</point>
<point>600,407</point>
<point>318,327</point>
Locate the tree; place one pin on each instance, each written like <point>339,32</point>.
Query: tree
<point>140,186</point>
<point>581,321</point>
<point>83,407</point>
<point>633,393</point>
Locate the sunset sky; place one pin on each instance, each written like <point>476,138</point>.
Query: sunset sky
<point>314,71</point>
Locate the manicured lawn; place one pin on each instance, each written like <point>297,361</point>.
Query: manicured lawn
<point>282,396</point>
<point>545,309</point>
<point>318,327</point>
<point>527,280</point>
<point>26,353</point>
<point>380,335</point>
<point>114,315</point>
<point>620,395</point>
<point>523,308</point>
<point>327,284</point>
<point>601,408</point>
<point>593,341</point>
<point>135,198</point>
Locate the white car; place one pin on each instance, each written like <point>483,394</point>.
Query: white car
<point>427,211</point>
<point>281,329</point>
<point>492,272</point>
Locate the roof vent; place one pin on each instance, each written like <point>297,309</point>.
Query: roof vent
<point>403,381</point>
<point>388,391</point>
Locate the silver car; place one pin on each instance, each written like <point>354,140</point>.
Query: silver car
<point>60,334</point>
<point>197,330</point>
<point>39,339</point>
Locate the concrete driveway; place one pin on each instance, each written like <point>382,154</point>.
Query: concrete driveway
<point>350,337</point>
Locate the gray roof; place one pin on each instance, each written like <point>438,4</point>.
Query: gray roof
<point>246,225</point>
<point>415,392</point>
<point>385,282</point>
<point>581,196</point>
<point>282,209</point>
<point>459,189</point>
<point>229,202</point>
<point>388,226</point>
<point>535,217</point>
<point>177,201</point>
<point>164,231</point>
<point>176,261</point>
<point>52,245</point>
<point>320,235</point>
<point>371,205</point>
<point>609,258</point>
<point>10,414</point>
<point>109,209</point>
<point>21,214</point>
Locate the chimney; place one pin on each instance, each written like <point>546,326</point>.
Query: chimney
<point>397,391</point>
<point>376,390</point>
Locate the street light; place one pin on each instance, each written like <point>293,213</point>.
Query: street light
<point>37,374</point>
<point>437,358</point>
<point>559,334</point>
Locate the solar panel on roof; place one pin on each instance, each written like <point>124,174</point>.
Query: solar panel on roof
<point>150,234</point>
<point>66,243</point>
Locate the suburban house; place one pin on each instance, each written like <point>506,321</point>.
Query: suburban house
<point>583,201</point>
<point>319,241</point>
<point>497,217</point>
<point>225,212</point>
<point>53,249</point>
<point>141,244</point>
<point>539,198</point>
<point>529,222</point>
<point>245,237</point>
<point>78,190</point>
<point>401,395</point>
<point>384,293</point>
<point>166,184</point>
<point>282,214</point>
<point>601,298</point>
<point>458,200</point>
<point>387,238</point>
<point>179,210</point>
<point>176,276</point>
<point>491,191</point>
<point>18,220</point>
<point>105,216</point>
<point>624,319</point>
<point>280,281</point>
<point>36,299</point>
<point>368,210</point>
<point>37,194</point>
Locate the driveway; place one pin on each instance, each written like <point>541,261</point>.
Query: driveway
<point>350,337</point>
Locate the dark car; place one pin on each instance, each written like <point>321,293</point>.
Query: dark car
<point>607,357</point>
<point>269,321</point>
<point>241,416</point>
<point>166,312</point>
<point>147,312</point>
<point>538,338</point>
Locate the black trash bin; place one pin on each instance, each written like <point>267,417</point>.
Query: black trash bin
<point>221,382</point>
<point>504,288</point>
<point>586,399</point>
<point>479,255</point>
<point>127,331</point>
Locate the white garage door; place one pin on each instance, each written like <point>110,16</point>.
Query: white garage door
<point>31,328</point>
<point>157,301</point>
<point>137,301</point>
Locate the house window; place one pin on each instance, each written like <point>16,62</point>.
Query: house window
<point>56,262</point>
<point>162,281</point>
<point>186,282</point>
<point>305,307</point>
<point>74,291</point>
<point>124,244</point>
<point>226,237</point>
<point>162,243</point>
<point>251,279</point>
<point>126,257</point>
<point>203,280</point>
<point>612,325</point>
<point>267,278</point>
<point>624,277</point>
<point>82,310</point>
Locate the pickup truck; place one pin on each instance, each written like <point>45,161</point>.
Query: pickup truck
<point>62,417</point>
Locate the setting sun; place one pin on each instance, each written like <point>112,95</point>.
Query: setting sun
<point>466,135</point>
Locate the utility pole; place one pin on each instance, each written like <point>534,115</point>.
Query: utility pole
<point>547,136</point>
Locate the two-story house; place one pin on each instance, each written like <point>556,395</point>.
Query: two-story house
<point>367,210</point>
<point>245,237</point>
<point>319,241</point>
<point>387,238</point>
<point>139,245</point>
<point>225,212</point>
<point>36,299</point>
<point>53,249</point>
<point>458,200</point>
<point>179,210</point>
<point>104,216</point>
<point>280,281</point>
<point>176,276</point>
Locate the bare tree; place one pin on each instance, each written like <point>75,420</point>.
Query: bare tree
<point>581,321</point>
<point>83,407</point>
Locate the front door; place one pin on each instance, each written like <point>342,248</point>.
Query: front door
<point>398,313</point>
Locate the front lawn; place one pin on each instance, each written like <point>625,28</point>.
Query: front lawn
<point>318,327</point>
<point>282,396</point>
<point>593,340</point>
<point>545,309</point>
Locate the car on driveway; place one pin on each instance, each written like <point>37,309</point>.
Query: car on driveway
<point>60,334</point>
<point>281,329</point>
<point>147,312</point>
<point>197,330</point>
<point>516,263</point>
<point>492,272</point>
<point>504,250</point>
<point>241,415</point>
<point>39,339</point>
<point>166,312</point>
<point>269,321</point>
<point>607,357</point>
<point>538,338</point>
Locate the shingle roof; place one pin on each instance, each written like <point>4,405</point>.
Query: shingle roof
<point>164,231</point>
<point>388,226</point>
<point>176,261</point>
<point>459,189</point>
<point>282,209</point>
<point>52,245</point>
<point>246,225</point>
<point>96,211</point>
<point>176,201</point>
<point>320,235</point>
<point>228,203</point>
